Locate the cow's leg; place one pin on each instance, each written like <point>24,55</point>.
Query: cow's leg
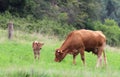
<point>82,55</point>
<point>99,59</point>
<point>74,56</point>
<point>105,60</point>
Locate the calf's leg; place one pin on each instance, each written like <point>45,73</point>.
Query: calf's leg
<point>38,53</point>
<point>35,54</point>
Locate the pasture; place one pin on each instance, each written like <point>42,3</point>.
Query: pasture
<point>17,59</point>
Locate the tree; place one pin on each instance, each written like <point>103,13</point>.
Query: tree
<point>4,5</point>
<point>17,7</point>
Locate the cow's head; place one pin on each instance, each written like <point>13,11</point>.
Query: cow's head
<point>59,55</point>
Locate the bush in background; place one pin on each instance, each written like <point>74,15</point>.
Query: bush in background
<point>111,29</point>
<point>30,24</point>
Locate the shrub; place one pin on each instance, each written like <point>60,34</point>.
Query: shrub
<point>30,24</point>
<point>111,29</point>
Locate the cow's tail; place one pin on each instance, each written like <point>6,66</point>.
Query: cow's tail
<point>105,59</point>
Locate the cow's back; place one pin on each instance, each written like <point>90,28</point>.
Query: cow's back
<point>91,39</point>
<point>73,41</point>
<point>88,39</point>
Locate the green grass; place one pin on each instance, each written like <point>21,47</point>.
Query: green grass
<point>17,60</point>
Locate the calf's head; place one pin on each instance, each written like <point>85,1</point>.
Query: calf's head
<point>37,45</point>
<point>40,45</point>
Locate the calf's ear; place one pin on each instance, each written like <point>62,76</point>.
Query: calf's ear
<point>42,43</point>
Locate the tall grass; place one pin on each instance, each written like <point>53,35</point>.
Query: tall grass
<point>17,60</point>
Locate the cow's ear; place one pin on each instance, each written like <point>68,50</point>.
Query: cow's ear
<point>60,51</point>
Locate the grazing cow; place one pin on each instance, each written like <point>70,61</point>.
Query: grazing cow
<point>36,48</point>
<point>82,40</point>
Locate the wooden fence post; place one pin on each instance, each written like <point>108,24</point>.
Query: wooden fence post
<point>10,30</point>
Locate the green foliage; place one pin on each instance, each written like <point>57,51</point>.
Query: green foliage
<point>111,29</point>
<point>59,29</point>
<point>73,12</point>
<point>30,24</point>
<point>62,17</point>
<point>110,22</point>
<point>18,7</point>
<point>4,18</point>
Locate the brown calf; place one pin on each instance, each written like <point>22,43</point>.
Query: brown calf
<point>36,48</point>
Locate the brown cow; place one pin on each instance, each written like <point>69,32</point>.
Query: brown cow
<point>36,48</point>
<point>79,41</point>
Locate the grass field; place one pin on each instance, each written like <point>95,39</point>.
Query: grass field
<point>16,59</point>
